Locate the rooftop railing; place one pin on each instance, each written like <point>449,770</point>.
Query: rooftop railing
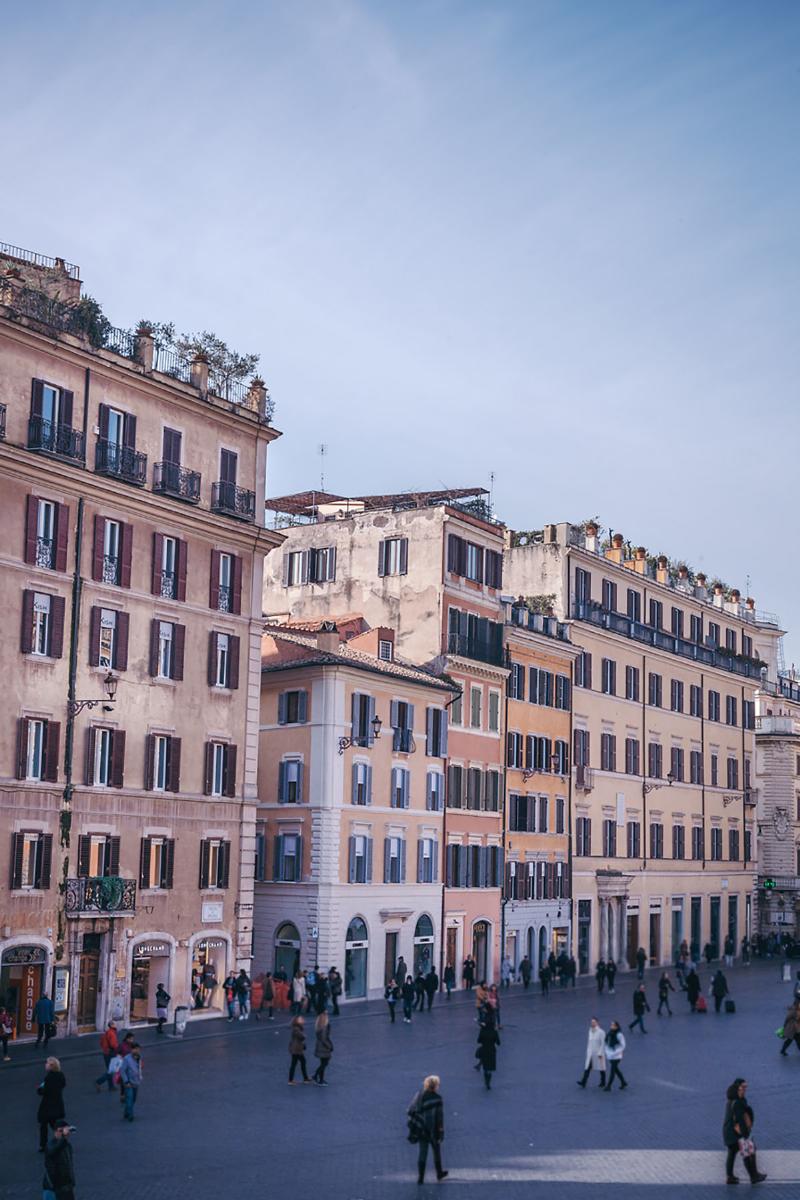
<point>539,623</point>
<point>40,260</point>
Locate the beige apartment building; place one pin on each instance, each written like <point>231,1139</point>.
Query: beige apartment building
<point>663,771</point>
<point>351,811</point>
<point>427,565</point>
<point>778,779</point>
<point>132,550</point>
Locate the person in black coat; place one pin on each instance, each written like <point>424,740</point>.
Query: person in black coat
<point>486,1054</point>
<point>600,974</point>
<point>407,992</point>
<point>640,1007</point>
<point>692,988</point>
<point>51,1105</point>
<point>426,1123</point>
<point>468,972</point>
<point>419,991</point>
<point>719,989</point>
<point>59,1168</point>
<point>611,975</point>
<point>431,986</point>
<point>737,1125</point>
<point>391,995</point>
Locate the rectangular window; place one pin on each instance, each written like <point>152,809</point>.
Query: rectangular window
<point>31,857</point>
<point>427,865</point>
<point>474,563</point>
<point>362,718</point>
<point>562,692</point>
<point>289,858</point>
<point>224,583</point>
<point>583,670</point>
<point>583,837</point>
<point>748,714</point>
<point>290,781</point>
<point>393,556</point>
<point>160,763</point>
<point>561,753</point>
<point>696,700</point>
<point>296,568</point>
<point>543,814</point>
<point>634,839</point>
<point>322,564</point>
<point>581,738</point>
<point>678,841</point>
<point>609,677</point>
<point>676,764</point>
<point>222,661</point>
<point>560,826</point>
<point>634,605</point>
<point>156,858</point>
<point>677,622</point>
<point>41,624</point>
<point>434,791</point>
<point>385,650</point>
<point>583,586</point>
<point>715,770</point>
<point>293,707</point>
<point>169,566</point>
<point>696,629</point>
<point>676,695</point>
<point>362,783</point>
<point>215,856</point>
<point>654,690</point>
<point>102,757</point>
<point>731,711</point>
<point>360,859</point>
<point>610,839</point>
<point>696,766</point>
<point>217,768</point>
<point>747,646</point>
<point>609,596</point>
<point>733,845</point>
<point>655,762</point>
<point>632,683</point>
<point>165,646</point>
<point>713,634</point>
<point>475,702</point>
<point>402,722</point>
<point>516,682</point>
<point>733,774</point>
<point>455,786</point>
<point>401,788</point>
<point>632,756</point>
<point>730,641</point>
<point>45,554</point>
<point>457,708</point>
<point>697,843</point>
<point>474,788</point>
<point>108,630</point>
<point>491,790</point>
<point>716,844</point>
<point>656,614</point>
<point>394,860</point>
<point>656,841</point>
<point>608,752</point>
<point>493,719</point>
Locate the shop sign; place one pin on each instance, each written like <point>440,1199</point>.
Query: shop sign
<point>24,955</point>
<point>211,911</point>
<point>151,950</point>
<point>211,944</point>
<point>61,989</point>
<point>29,994</point>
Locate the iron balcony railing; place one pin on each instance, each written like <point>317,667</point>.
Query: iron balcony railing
<point>168,585</point>
<point>225,600</point>
<point>108,895</point>
<point>233,501</point>
<point>45,552</point>
<point>712,656</point>
<point>122,462</point>
<point>39,260</point>
<point>2,422</point>
<point>172,480</point>
<point>169,362</point>
<point>60,440</point>
<point>477,648</point>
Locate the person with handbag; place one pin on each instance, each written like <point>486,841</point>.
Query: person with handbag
<point>297,1049</point>
<point>323,1047</point>
<point>51,1104</point>
<point>737,1127</point>
<point>595,1053</point>
<point>45,1015</point>
<point>426,1126</point>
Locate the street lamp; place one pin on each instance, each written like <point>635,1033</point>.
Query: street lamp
<point>346,742</point>
<point>647,788</point>
<point>555,762</point>
<point>110,683</point>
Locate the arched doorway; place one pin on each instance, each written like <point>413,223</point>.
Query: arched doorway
<point>543,952</point>
<point>530,943</point>
<point>287,949</point>
<point>423,945</point>
<point>356,946</point>
<point>480,948</point>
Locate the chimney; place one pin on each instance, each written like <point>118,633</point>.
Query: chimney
<point>328,637</point>
<point>198,373</point>
<point>143,347</point>
<point>615,551</point>
<point>662,569</point>
<point>591,532</point>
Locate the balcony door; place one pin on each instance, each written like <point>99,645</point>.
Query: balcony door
<point>228,465</point>
<point>172,447</point>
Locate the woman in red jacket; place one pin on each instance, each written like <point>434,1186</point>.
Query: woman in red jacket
<point>109,1047</point>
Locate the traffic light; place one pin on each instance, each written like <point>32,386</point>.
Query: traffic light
<point>768,884</point>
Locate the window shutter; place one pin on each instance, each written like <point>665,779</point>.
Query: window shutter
<point>94,636</point>
<point>113,856</point>
<point>17,851</point>
<point>305,565</point>
<point>283,702</point>
<point>462,857</point>
<point>118,758</point>
<point>403,556</point>
<point>443,728</point>
<point>212,658</point>
<point>144,862</point>
<point>452,553</point>
<point>354,711</point>
<point>588,846</point>
<point>277,857</point>
<point>302,705</point>
<point>57,606</point>
<point>66,408</point>
<point>97,547</point>
<point>393,788</point>
<point>149,760</point>
<point>213,582</point>
<point>158,553</point>
<point>62,536</point>
<point>229,782</point>
<point>370,716</point>
<point>369,860</point>
<point>208,769</point>
<point>31,528</point>
<point>91,738</point>
<point>84,848</point>
<point>168,870</point>
<point>52,736</point>
<point>381,558</point>
<point>178,647</point>
<point>354,784</point>
<point>121,641</point>
<point>236,604</point>
<point>394,714</point>
<point>126,555</point>
<point>26,633</point>
<point>154,624</point>
<point>46,860</point>
<point>429,746</point>
<point>351,860</point>
<point>434,861</point>
<point>174,765</point>
<point>282,781</point>
<point>223,878</point>
<point>529,751</point>
<point>402,860</point>
<point>420,860</point>
<point>37,392</point>
<point>204,857</point>
<point>22,747</point>
<point>181,564</point>
<point>429,798</point>
<point>102,421</point>
<point>369,784</point>
<point>386,859</point>
<point>406,788</point>
<point>300,773</point>
<point>233,663</point>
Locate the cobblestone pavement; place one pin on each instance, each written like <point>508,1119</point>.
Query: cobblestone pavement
<point>216,1117</point>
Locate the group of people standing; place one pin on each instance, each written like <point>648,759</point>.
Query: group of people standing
<point>413,992</point>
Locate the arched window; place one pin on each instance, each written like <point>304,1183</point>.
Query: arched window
<point>355,960</point>
<point>356,931</point>
<point>288,932</point>
<point>424,927</point>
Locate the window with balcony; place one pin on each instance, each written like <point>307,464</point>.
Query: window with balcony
<point>731,641</point>
<point>98,856</point>
<point>115,452</point>
<point>609,595</point>
<point>112,552</point>
<point>394,860</point>
<point>290,781</point>
<point>226,496</point>
<point>656,614</point>
<point>360,859</point>
<point>747,646</point>
<point>288,865</point>
<point>696,629</point>
<point>46,533</point>
<point>31,859</point>
<point>220,769</point>
<point>156,863</point>
<point>583,586</point>
<point>215,859</point>
<point>476,637</point>
<point>634,607</point>
<point>393,556</point>
<point>677,622</point>
<point>713,636</point>
<point>361,719</point>
<point>50,424</point>
<point>632,683</point>
<point>169,477</point>
<point>169,567</point>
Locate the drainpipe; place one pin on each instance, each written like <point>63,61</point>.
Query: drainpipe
<point>442,927</point>
<point>644,762</point>
<point>503,897</point>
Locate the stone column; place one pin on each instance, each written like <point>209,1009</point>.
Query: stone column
<point>603,942</point>
<point>613,946</point>
<point>623,933</point>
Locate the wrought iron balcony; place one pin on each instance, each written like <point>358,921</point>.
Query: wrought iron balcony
<point>225,601</point>
<point>480,649</point>
<point>168,585</point>
<point>110,568</point>
<point>109,896</point>
<point>233,501</point>
<point>60,440</point>
<point>2,422</point>
<point>171,480</point>
<point>121,462</point>
<point>45,552</point>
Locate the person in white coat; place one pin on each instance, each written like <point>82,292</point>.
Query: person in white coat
<point>595,1054</point>
<point>615,1048</point>
<point>298,993</point>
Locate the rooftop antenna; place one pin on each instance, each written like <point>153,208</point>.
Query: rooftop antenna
<point>747,586</point>
<point>322,450</point>
<point>491,491</point>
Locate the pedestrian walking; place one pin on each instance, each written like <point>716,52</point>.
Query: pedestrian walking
<point>563,968</point>
<point>401,970</point>
<point>298,993</point>
<point>229,988</point>
<point>242,989</point>
<point>322,990</point>
<point>431,986</point>
<point>297,1049</point>
<point>44,1014</point>
<point>737,1128</point>
<point>553,965</point>
<point>481,1001</point>
<point>641,961</point>
<point>600,974</point>
<point>426,1126</point>
<point>719,989</point>
<point>109,1048</point>
<point>746,951</point>
<point>693,989</point>
<point>130,1075</point>
<point>505,972</point>
<point>51,1104</point>
<point>162,1007</point>
<point>729,949</point>
<point>268,997</point>
<point>573,971</point>
<point>640,1007</point>
<point>544,979</point>
<point>664,989</point>
<point>335,985</point>
<point>525,972</point>
<point>323,1047</point>
<point>615,1048</point>
<point>468,971</point>
<point>791,1028</point>
<point>391,995</point>
<point>449,978</point>
<point>486,1053</point>
<point>407,992</point>
<point>493,1003</point>
<point>419,992</point>
<point>58,1181</point>
<point>6,1031</point>
<point>708,952</point>
<point>595,1054</point>
<point>611,975</point>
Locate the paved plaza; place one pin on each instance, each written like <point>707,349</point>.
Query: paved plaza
<point>216,1117</point>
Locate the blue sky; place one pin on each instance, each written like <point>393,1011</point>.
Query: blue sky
<point>553,241</point>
